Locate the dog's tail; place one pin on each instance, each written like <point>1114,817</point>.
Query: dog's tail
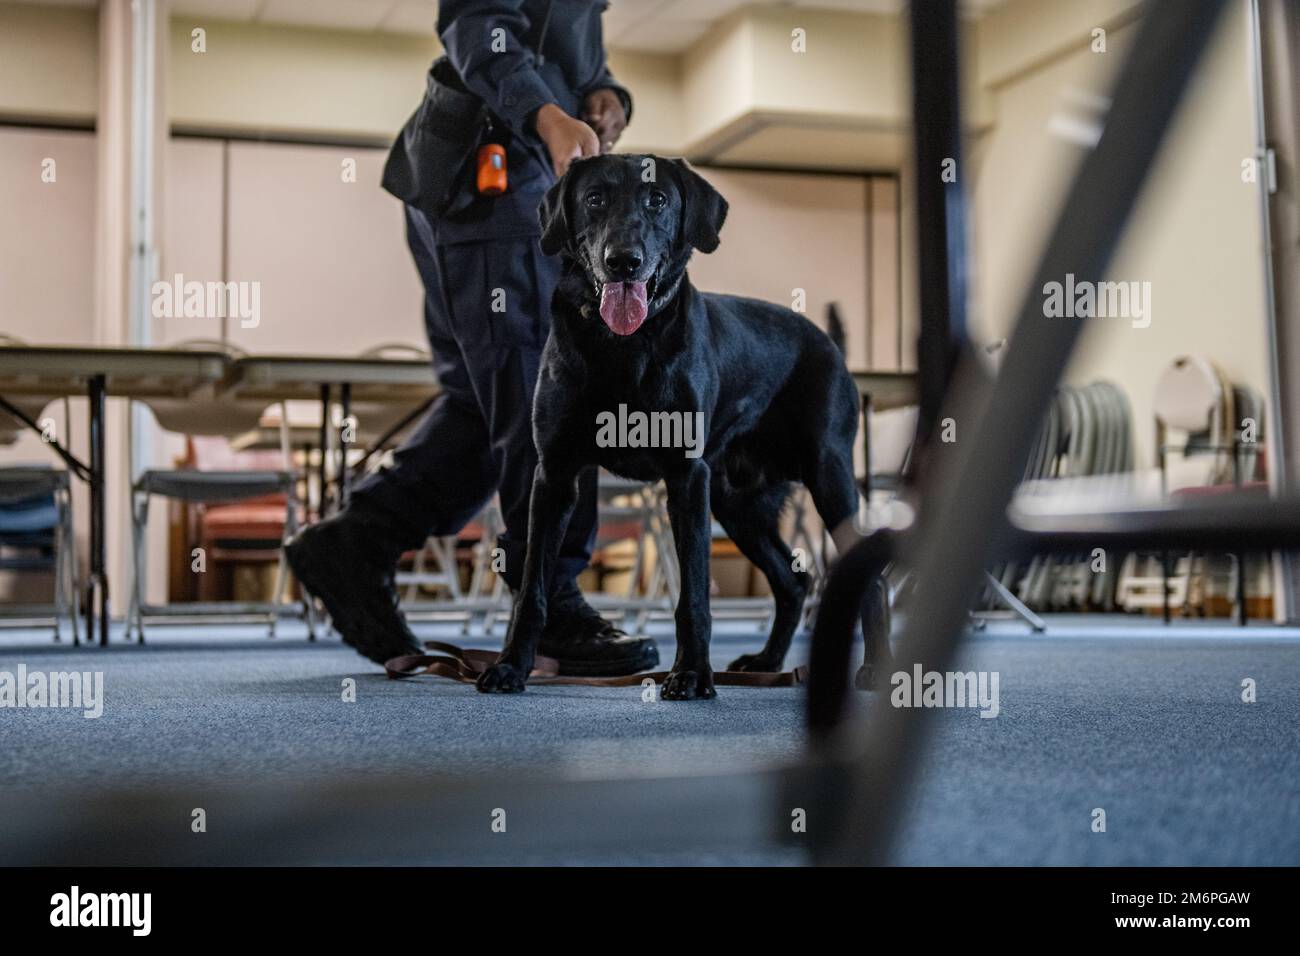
<point>835,327</point>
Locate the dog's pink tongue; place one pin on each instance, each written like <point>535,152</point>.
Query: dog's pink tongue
<point>623,306</point>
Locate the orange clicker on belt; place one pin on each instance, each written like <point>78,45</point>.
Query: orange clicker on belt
<point>491,169</point>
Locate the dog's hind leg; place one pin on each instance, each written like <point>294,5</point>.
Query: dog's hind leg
<point>835,493</point>
<point>752,520</point>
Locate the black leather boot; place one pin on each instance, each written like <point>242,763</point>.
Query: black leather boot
<point>348,561</point>
<point>587,645</point>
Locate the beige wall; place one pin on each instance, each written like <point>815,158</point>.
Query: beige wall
<point>193,238</point>
<point>294,79</point>
<point>854,66</point>
<point>1021,35</point>
<point>658,124</point>
<point>47,245</point>
<point>49,61</point>
<point>791,232</point>
<point>331,256</point>
<point>717,81</point>
<point>1195,235</point>
<point>363,84</point>
<point>741,79</point>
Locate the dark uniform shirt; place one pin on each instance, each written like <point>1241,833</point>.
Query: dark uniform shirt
<point>493,47</point>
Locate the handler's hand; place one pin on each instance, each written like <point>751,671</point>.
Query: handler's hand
<point>566,138</point>
<point>604,111</point>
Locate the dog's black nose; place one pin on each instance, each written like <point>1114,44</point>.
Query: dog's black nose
<point>622,261</point>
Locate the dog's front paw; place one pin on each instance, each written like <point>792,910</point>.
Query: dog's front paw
<point>501,678</point>
<point>688,685</point>
<point>754,663</point>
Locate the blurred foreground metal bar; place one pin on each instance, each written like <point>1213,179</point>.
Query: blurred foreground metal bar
<point>942,261</point>
<point>969,485</point>
<point>401,821</point>
<point>1275,45</point>
<point>1245,523</point>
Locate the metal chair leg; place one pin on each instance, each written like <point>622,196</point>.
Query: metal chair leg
<point>60,558</point>
<point>1016,605</point>
<point>282,560</point>
<point>139,521</point>
<point>68,548</point>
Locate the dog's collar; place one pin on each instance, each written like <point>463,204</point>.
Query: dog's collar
<point>663,298</point>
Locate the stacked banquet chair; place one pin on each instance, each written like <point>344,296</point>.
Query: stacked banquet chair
<point>631,512</point>
<point>36,530</point>
<point>437,565</point>
<point>265,493</point>
<point>889,437</point>
<point>634,511</point>
<point>1087,433</point>
<point>1220,430</point>
<point>487,589</point>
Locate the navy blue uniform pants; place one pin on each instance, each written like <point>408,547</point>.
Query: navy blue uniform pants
<point>487,313</point>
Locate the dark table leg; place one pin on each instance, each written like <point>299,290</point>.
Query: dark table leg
<point>97,585</point>
<point>345,474</point>
<point>323,495</point>
<point>1164,580</point>
<point>1242,617</point>
<point>866,447</point>
<point>1240,556</point>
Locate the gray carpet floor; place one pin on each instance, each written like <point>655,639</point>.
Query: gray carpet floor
<point>1146,724</point>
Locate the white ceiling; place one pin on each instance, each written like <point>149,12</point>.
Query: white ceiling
<point>659,26</point>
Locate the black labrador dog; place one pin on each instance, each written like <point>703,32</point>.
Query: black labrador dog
<point>728,400</point>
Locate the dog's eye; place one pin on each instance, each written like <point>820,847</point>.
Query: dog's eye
<point>594,199</point>
<point>656,199</point>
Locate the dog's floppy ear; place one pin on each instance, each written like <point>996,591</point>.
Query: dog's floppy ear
<point>557,231</point>
<point>703,208</point>
<point>554,214</point>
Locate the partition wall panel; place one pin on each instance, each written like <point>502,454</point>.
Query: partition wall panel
<point>47,207</point>
<point>327,247</point>
<point>329,254</point>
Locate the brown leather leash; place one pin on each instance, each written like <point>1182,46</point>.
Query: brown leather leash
<point>466,664</point>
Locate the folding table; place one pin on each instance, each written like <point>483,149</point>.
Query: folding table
<point>97,373</point>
